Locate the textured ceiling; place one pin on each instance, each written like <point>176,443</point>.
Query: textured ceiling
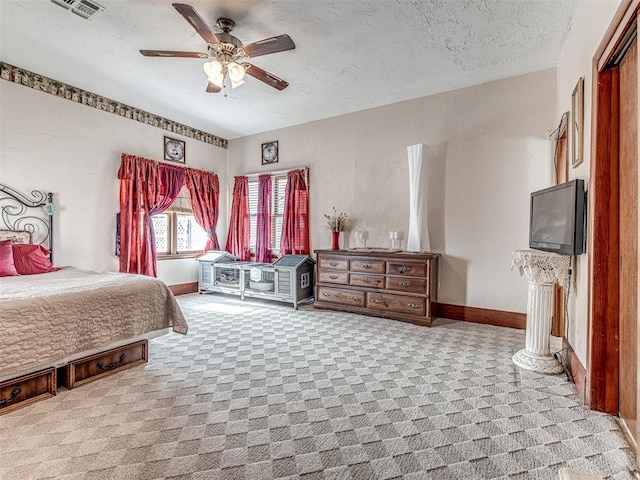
<point>350,54</point>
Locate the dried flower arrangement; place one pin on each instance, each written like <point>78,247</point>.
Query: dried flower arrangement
<point>336,222</point>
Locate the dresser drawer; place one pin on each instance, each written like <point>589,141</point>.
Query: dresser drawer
<point>407,268</point>
<point>363,280</point>
<point>396,303</point>
<point>367,266</point>
<point>91,368</point>
<point>405,284</point>
<point>345,297</point>
<point>22,391</point>
<point>333,263</point>
<point>333,277</point>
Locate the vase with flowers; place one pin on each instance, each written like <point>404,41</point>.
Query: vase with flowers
<point>336,222</point>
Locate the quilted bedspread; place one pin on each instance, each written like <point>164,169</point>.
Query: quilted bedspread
<point>47,317</point>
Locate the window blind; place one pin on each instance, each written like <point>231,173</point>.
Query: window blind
<point>279,185</point>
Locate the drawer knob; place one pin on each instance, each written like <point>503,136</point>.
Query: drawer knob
<point>111,365</point>
<point>333,277</point>
<point>14,394</point>
<point>366,266</point>
<point>405,284</point>
<point>414,305</point>
<point>405,269</point>
<point>355,299</point>
<point>377,300</point>
<point>366,280</point>
<point>325,294</point>
<point>333,264</point>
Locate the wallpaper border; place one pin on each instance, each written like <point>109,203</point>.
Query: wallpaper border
<point>48,85</point>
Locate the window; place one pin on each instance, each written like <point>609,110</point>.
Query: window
<point>278,187</point>
<point>176,229</point>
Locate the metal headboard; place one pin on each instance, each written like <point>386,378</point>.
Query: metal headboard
<point>16,213</point>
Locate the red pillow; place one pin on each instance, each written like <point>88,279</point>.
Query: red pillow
<point>7,267</point>
<point>31,259</point>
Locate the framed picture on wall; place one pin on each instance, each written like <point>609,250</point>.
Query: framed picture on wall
<point>269,152</point>
<point>174,150</point>
<point>577,123</point>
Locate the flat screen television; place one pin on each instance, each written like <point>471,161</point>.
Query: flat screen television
<point>557,220</point>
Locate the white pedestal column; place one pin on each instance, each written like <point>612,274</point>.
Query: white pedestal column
<point>543,270</point>
<point>536,355</point>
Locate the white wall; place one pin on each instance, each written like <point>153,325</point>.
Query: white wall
<point>588,27</point>
<point>488,151</point>
<point>52,144</point>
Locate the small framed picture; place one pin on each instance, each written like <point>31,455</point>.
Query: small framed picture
<point>174,150</point>
<point>577,123</point>
<point>269,152</point>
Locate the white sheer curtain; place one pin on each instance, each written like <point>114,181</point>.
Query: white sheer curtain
<point>416,241</point>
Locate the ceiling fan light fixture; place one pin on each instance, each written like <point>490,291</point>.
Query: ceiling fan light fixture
<point>236,72</point>
<point>235,83</point>
<point>213,68</point>
<point>217,80</point>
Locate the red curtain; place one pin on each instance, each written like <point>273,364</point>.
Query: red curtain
<point>263,222</point>
<point>204,190</point>
<point>171,181</point>
<point>139,185</point>
<point>146,188</point>
<point>239,228</point>
<point>295,222</point>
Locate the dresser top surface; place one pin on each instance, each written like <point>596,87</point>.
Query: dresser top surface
<point>382,253</point>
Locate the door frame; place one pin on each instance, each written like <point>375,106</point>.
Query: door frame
<point>603,367</point>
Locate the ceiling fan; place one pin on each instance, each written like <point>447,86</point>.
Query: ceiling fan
<point>228,52</point>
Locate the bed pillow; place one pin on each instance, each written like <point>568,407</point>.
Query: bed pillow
<point>7,266</point>
<point>32,259</point>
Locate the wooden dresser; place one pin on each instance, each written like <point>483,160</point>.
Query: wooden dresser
<point>399,285</point>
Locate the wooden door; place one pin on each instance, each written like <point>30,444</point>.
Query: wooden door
<point>628,228</point>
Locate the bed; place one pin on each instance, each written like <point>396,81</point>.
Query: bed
<point>70,323</point>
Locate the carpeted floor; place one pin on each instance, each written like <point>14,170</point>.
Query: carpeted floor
<point>259,391</point>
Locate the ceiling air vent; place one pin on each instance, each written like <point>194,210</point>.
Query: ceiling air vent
<point>84,8</point>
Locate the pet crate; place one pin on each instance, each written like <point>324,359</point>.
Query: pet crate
<point>290,279</point>
<point>219,271</point>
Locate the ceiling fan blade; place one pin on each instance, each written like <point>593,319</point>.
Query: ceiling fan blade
<point>280,43</point>
<point>266,77</point>
<point>212,88</point>
<point>171,53</point>
<point>190,15</point>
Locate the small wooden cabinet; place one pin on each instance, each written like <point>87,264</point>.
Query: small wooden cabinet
<point>399,285</point>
